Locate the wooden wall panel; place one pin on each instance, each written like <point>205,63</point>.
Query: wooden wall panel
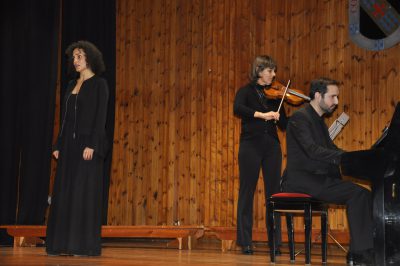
<point>179,65</point>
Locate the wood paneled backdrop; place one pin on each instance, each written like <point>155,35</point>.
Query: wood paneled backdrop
<point>179,65</point>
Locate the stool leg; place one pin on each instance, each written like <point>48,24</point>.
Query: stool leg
<point>290,232</point>
<point>324,232</point>
<point>307,223</point>
<point>271,230</point>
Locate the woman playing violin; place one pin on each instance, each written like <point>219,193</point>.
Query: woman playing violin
<point>259,145</point>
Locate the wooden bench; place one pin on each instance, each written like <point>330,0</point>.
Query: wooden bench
<point>186,236</point>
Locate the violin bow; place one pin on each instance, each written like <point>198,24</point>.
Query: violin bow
<point>283,96</point>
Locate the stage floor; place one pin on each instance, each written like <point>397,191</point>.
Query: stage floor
<point>154,256</point>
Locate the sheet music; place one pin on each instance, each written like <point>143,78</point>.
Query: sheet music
<point>338,125</point>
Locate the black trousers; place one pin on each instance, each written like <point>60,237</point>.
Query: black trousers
<point>358,208</point>
<point>264,153</point>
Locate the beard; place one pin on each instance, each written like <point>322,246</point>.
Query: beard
<point>326,108</point>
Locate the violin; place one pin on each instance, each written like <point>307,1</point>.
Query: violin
<point>292,96</point>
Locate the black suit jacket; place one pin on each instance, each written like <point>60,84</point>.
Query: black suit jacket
<point>312,157</point>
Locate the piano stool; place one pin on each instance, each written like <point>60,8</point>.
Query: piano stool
<point>290,204</point>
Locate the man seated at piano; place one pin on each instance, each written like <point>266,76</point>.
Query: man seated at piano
<point>313,167</point>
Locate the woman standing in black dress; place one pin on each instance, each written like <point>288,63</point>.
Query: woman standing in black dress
<point>74,224</point>
<point>259,145</point>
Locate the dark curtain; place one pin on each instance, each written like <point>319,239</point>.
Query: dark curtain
<point>28,77</point>
<point>94,21</point>
<point>28,48</point>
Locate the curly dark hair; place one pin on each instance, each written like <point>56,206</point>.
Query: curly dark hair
<point>94,57</point>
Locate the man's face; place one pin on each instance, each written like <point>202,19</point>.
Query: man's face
<point>330,100</point>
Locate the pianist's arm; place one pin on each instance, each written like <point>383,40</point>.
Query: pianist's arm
<point>311,140</point>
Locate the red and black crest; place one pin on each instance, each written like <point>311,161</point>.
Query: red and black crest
<point>374,24</point>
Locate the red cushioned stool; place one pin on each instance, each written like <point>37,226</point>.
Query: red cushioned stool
<point>291,203</point>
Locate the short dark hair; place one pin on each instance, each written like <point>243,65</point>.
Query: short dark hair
<point>321,85</point>
<point>260,63</point>
<point>94,57</point>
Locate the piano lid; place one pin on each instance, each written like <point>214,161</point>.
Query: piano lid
<point>372,163</point>
<point>390,138</point>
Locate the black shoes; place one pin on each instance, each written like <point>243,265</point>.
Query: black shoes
<point>349,258</point>
<point>362,258</point>
<point>278,252</point>
<point>247,250</point>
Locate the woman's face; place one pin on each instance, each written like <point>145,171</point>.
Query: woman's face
<point>266,76</point>
<point>79,58</point>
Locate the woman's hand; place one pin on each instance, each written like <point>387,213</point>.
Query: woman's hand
<point>88,154</point>
<point>267,116</point>
<point>55,154</point>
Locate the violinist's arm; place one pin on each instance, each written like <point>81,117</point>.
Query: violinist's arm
<point>241,109</point>
<point>267,116</point>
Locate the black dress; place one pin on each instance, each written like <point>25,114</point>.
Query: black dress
<point>74,224</point>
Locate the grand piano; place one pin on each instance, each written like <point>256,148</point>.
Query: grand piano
<point>381,166</point>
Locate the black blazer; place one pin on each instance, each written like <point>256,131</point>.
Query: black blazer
<point>312,157</point>
<point>91,114</point>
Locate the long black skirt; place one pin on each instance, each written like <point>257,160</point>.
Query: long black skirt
<point>74,223</point>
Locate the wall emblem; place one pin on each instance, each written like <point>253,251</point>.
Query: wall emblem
<point>374,24</point>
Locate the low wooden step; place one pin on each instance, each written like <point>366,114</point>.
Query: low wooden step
<point>185,235</point>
